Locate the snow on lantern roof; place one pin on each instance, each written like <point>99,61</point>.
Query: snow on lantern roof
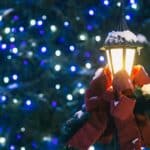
<point>121,37</point>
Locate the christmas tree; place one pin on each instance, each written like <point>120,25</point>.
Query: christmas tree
<point>49,51</point>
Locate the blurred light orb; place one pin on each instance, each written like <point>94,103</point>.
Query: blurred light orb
<point>91,148</point>
<point>82,91</point>
<point>118,4</point>
<point>15,101</point>
<point>12,147</point>
<point>88,65</point>
<point>66,23</point>
<point>2,141</point>
<point>134,6</point>
<point>4,46</point>
<point>32,22</point>
<point>47,138</point>
<point>15,77</point>
<point>57,86</point>
<point>3,98</point>
<point>132,1</point>
<point>97,38</point>
<point>23,129</point>
<point>15,50</point>
<point>82,37</point>
<point>12,39</point>
<point>28,102</point>
<point>79,84</point>
<point>22,148</point>
<point>33,44</point>
<point>73,68</point>
<point>39,22</point>
<point>44,17</point>
<point>101,58</point>
<point>6,80</point>
<point>21,29</point>
<point>106,2</point>
<point>30,53</point>
<point>91,12</point>
<point>69,97</point>
<point>57,67</point>
<point>71,48</point>
<point>9,57</point>
<point>7,30</point>
<point>127,17</point>
<point>1,38</point>
<point>1,17</point>
<point>43,49</point>
<point>53,28</point>
<point>58,53</point>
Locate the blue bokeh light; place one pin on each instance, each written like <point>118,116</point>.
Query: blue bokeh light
<point>91,12</point>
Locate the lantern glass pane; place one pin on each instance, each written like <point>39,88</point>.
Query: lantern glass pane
<point>117,59</point>
<point>108,59</point>
<point>130,54</point>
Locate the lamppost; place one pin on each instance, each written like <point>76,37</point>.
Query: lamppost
<point>121,46</point>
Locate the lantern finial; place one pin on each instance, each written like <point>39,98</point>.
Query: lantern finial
<point>122,24</point>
